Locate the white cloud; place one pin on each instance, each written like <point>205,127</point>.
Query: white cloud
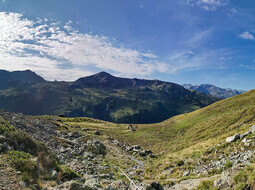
<point>247,36</point>
<point>45,46</point>
<point>184,60</point>
<point>199,38</point>
<point>208,5</point>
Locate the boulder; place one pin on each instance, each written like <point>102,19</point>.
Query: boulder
<point>154,186</point>
<point>109,187</point>
<point>93,183</point>
<point>74,134</point>
<point>244,134</point>
<point>2,139</point>
<point>75,186</point>
<point>120,184</point>
<point>135,147</point>
<point>97,132</point>
<point>54,174</point>
<point>186,173</point>
<point>130,127</point>
<point>23,184</point>
<point>233,138</point>
<point>5,147</point>
<point>226,181</point>
<point>145,152</point>
<point>96,147</point>
<point>252,129</point>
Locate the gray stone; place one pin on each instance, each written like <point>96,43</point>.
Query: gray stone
<point>97,132</point>
<point>2,139</point>
<point>54,174</point>
<point>93,183</point>
<point>186,173</point>
<point>5,147</point>
<point>130,127</point>
<point>75,186</point>
<point>22,183</point>
<point>252,129</point>
<point>98,147</point>
<point>154,186</point>
<point>136,147</point>
<point>109,187</point>
<point>244,134</point>
<point>233,138</point>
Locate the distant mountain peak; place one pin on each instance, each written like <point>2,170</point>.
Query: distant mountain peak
<point>13,79</point>
<point>103,74</point>
<point>214,90</point>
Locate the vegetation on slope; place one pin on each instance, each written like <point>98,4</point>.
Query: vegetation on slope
<point>33,159</point>
<point>101,96</point>
<point>186,135</point>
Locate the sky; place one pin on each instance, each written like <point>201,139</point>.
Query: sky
<point>181,41</point>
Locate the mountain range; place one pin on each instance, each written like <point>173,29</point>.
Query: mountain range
<point>100,96</point>
<point>214,90</point>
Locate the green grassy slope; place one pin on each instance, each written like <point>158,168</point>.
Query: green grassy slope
<point>103,96</point>
<point>214,123</point>
<point>183,135</point>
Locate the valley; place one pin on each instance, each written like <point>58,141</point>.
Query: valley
<point>186,151</point>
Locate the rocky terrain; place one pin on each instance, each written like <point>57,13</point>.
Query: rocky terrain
<point>214,90</point>
<point>97,161</point>
<point>211,148</point>
<point>91,159</point>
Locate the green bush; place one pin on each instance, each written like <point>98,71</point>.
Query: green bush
<point>48,160</point>
<point>19,159</point>
<point>32,146</point>
<point>5,127</point>
<point>245,178</point>
<point>242,186</point>
<point>206,185</point>
<point>23,162</point>
<point>228,164</point>
<point>68,174</point>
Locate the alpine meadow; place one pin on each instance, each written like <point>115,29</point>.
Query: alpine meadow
<point>127,95</point>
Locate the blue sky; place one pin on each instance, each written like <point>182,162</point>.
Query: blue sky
<point>184,41</point>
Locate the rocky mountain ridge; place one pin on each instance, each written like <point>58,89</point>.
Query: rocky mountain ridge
<point>214,90</point>
<point>101,96</point>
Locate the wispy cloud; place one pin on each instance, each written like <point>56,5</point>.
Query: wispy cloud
<point>45,47</point>
<point>247,36</point>
<point>208,5</point>
<point>199,38</point>
<point>205,59</point>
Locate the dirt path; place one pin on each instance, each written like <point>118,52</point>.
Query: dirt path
<point>131,162</point>
<point>124,156</point>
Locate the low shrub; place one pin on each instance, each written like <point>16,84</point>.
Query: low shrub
<point>23,162</point>
<point>228,164</point>
<point>245,178</point>
<point>67,173</point>
<point>206,185</point>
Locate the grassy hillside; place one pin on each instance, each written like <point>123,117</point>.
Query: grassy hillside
<point>213,122</point>
<point>184,135</point>
<point>181,143</point>
<point>101,96</point>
